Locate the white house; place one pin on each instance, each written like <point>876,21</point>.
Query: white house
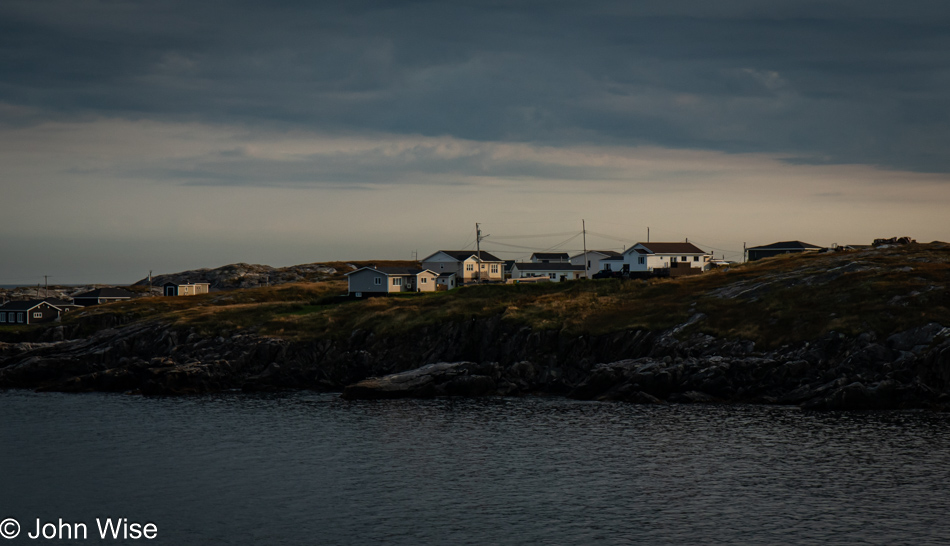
<point>550,258</point>
<point>649,257</point>
<point>468,265</point>
<point>593,260</point>
<point>554,271</point>
<point>445,281</point>
<point>376,281</point>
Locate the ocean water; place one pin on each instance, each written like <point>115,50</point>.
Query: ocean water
<point>307,468</point>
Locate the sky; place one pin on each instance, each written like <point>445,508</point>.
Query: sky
<point>167,135</point>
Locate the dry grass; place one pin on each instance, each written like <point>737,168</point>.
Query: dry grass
<point>771,302</point>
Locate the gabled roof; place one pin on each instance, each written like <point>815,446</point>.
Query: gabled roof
<point>786,245</point>
<point>56,302</point>
<point>393,271</point>
<point>548,267</point>
<point>608,253</point>
<point>671,248</point>
<point>462,255</point>
<point>105,293</point>
<point>22,305</point>
<point>550,255</point>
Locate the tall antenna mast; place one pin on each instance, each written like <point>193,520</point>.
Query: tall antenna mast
<point>46,280</point>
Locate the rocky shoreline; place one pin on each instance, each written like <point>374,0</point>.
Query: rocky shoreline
<point>491,357</point>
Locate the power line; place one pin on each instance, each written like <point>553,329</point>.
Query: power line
<point>534,236</point>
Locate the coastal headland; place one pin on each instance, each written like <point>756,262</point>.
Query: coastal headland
<point>864,329</point>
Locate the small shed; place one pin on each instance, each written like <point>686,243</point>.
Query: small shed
<point>186,289</point>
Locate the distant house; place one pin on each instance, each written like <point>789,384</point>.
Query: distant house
<point>378,281</point>
<point>445,281</point>
<point>63,305</point>
<point>593,259</point>
<point>102,295</point>
<point>554,271</point>
<point>468,265</point>
<point>775,249</point>
<point>674,259</point>
<point>28,312</point>
<point>613,263</point>
<point>192,289</point>
<point>550,258</point>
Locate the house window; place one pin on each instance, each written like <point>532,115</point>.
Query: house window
<point>397,281</point>
<point>641,260</point>
<point>12,317</point>
<point>494,268</point>
<point>3,317</point>
<point>37,315</point>
<point>695,258</point>
<point>552,276</point>
<point>469,267</point>
<point>685,259</point>
<point>441,266</point>
<point>606,267</point>
<point>377,281</point>
<point>19,317</point>
<point>424,280</point>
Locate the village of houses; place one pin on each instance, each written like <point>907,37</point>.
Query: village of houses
<point>450,269</point>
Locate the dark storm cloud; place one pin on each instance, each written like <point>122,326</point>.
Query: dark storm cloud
<point>833,82</point>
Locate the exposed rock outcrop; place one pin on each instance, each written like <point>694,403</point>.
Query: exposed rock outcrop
<point>910,369</point>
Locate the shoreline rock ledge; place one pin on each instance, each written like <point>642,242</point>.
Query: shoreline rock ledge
<point>439,379</point>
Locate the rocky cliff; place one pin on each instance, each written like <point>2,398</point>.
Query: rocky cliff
<point>861,329</point>
<point>910,369</point>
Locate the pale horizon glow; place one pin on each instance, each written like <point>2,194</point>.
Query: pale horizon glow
<point>425,194</point>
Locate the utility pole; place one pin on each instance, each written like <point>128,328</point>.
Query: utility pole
<point>586,263</point>
<point>743,253</point>
<point>478,253</point>
<point>648,234</point>
<point>46,280</point>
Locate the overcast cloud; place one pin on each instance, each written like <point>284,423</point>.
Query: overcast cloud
<point>119,97</point>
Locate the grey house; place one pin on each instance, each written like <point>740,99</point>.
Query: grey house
<point>379,281</point>
<point>28,312</point>
<point>775,249</point>
<point>102,295</point>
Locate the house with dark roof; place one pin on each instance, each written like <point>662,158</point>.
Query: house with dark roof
<point>468,265</point>
<point>64,306</point>
<point>556,272</point>
<point>445,281</point>
<point>593,259</point>
<point>776,249</point>
<point>380,281</point>
<point>102,295</point>
<point>28,312</point>
<point>550,258</point>
<point>662,258</point>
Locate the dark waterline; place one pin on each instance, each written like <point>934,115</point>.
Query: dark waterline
<point>307,468</point>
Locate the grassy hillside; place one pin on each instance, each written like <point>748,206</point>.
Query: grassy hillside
<point>771,302</point>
